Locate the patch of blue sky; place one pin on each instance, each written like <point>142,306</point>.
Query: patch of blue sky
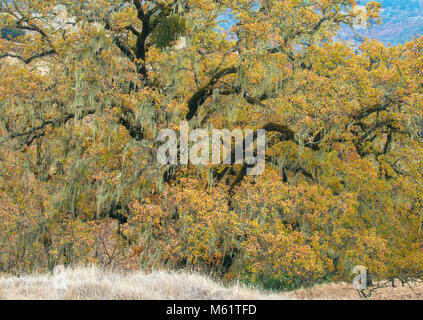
<point>226,21</point>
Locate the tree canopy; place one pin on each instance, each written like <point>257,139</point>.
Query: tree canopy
<point>86,90</point>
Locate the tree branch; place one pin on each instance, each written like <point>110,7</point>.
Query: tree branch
<point>206,91</point>
<point>30,59</point>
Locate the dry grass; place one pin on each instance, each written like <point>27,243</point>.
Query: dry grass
<point>93,283</point>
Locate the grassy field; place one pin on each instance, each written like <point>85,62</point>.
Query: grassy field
<point>93,283</point>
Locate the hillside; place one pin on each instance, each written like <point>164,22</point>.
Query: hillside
<point>402,20</point>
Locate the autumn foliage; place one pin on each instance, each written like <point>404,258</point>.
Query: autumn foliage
<point>83,97</point>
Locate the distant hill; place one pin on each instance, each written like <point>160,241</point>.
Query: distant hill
<point>402,20</point>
